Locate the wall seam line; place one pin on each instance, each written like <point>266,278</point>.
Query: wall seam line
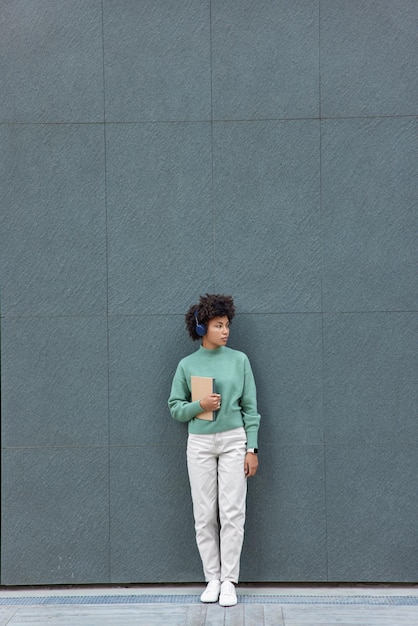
<point>211,147</point>
<point>107,294</point>
<point>321,227</point>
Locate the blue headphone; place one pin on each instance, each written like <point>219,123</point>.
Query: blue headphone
<point>200,328</point>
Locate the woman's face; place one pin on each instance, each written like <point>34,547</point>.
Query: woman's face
<point>217,333</point>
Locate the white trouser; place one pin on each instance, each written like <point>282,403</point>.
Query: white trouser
<point>218,486</point>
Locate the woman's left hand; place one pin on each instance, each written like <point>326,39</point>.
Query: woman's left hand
<point>250,464</point>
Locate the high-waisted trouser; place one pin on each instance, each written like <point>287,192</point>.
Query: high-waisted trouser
<point>219,487</point>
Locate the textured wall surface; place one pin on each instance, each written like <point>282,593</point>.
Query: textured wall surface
<point>152,151</point>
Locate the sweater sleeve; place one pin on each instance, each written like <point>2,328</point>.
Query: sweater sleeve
<point>250,415</point>
<point>181,408</point>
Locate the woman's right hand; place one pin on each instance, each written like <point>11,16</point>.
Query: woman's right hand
<point>211,403</point>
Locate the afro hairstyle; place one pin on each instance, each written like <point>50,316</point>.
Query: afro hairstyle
<point>210,306</point>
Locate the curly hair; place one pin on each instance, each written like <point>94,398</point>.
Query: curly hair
<point>210,306</point>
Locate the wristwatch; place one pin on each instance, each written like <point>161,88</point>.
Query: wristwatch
<point>252,450</point>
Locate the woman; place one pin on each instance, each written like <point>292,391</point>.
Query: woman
<point>222,452</point>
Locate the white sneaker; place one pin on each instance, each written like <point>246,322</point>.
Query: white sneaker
<point>228,595</point>
<point>211,593</point>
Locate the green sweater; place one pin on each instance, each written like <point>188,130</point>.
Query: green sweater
<point>234,380</point>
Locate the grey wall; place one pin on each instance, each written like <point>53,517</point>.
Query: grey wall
<point>154,150</point>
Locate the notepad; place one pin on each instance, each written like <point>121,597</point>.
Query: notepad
<point>203,386</point>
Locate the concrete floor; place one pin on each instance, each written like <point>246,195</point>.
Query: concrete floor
<point>150,605</point>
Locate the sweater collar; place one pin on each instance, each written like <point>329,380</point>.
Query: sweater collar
<point>212,353</point>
